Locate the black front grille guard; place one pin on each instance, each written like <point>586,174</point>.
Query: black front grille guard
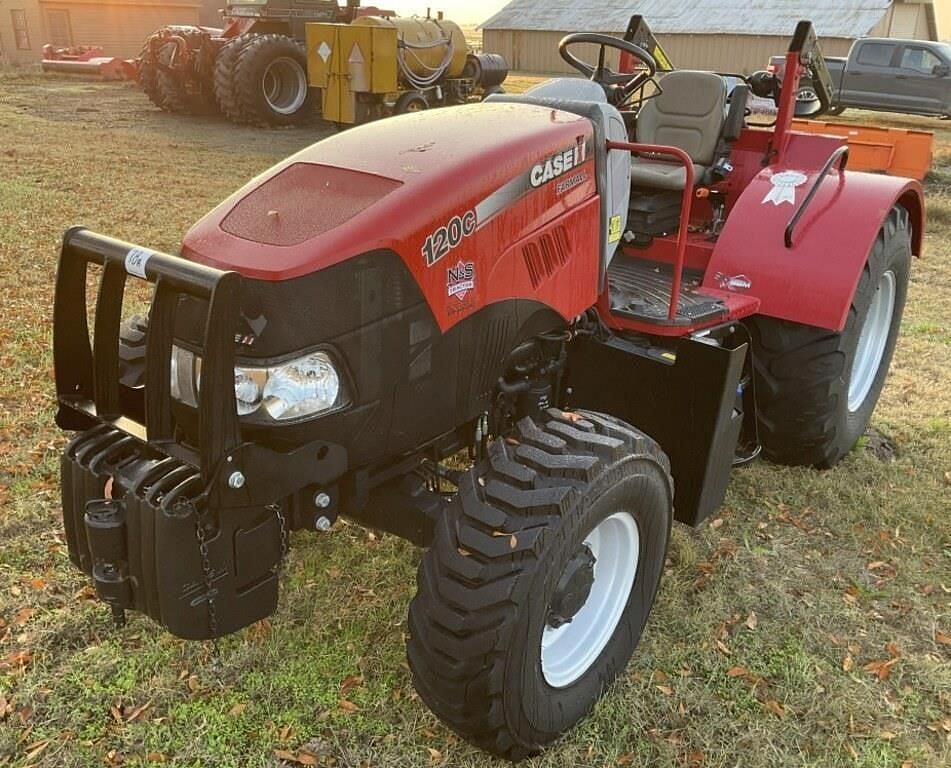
<point>87,375</point>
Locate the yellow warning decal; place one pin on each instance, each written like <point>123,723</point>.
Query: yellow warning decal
<point>663,63</point>
<point>614,230</point>
<point>669,356</point>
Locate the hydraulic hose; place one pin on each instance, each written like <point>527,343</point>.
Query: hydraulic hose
<point>435,74</point>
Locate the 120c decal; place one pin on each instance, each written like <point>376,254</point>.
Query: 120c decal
<point>443,240</point>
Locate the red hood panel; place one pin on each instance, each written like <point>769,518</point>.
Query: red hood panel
<point>390,184</point>
<point>303,201</point>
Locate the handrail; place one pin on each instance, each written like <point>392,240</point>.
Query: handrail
<point>685,209</point>
<point>842,153</point>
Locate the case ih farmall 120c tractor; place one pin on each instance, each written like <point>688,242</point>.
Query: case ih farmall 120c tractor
<point>608,297</point>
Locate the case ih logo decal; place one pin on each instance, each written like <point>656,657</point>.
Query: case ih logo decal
<point>784,187</point>
<point>447,237</point>
<point>560,164</point>
<point>460,279</point>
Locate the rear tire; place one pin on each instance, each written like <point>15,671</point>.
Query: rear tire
<point>225,92</point>
<point>506,646</point>
<point>816,389</point>
<point>270,82</point>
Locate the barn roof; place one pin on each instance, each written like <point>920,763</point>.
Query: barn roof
<point>832,18</point>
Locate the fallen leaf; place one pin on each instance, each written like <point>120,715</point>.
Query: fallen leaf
<point>35,749</point>
<point>238,709</point>
<point>194,684</point>
<point>943,638</point>
<point>723,648</point>
<point>434,754</point>
<point>287,757</point>
<point>348,706</point>
<point>665,689</point>
<point>23,616</point>
<point>881,669</point>
<point>887,735</point>
<point>775,707</point>
<point>156,757</point>
<point>752,621</point>
<point>353,681</point>
<point>737,672</point>
<point>137,712</point>
<point>848,663</point>
<point>716,523</point>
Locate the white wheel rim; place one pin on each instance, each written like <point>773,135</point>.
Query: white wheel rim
<point>569,651</point>
<point>285,85</point>
<point>872,342</point>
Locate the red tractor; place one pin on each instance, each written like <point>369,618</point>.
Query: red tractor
<point>605,294</point>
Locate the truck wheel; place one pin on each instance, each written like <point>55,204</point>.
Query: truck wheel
<point>816,389</point>
<point>411,101</point>
<point>540,579</point>
<point>270,81</point>
<point>225,63</point>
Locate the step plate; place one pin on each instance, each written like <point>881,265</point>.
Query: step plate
<point>640,290</point>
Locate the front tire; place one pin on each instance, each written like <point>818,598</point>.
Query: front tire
<point>816,389</point>
<point>540,580</point>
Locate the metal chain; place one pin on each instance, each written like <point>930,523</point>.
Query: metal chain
<point>208,572</point>
<point>285,541</point>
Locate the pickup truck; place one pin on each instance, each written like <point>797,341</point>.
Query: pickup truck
<point>888,75</point>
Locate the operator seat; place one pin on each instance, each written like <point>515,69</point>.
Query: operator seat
<point>688,114</point>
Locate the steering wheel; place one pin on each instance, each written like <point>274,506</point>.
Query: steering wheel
<point>618,86</point>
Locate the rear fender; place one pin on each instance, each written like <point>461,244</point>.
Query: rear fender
<point>813,281</point>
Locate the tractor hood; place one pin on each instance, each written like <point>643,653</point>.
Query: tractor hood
<point>394,184</point>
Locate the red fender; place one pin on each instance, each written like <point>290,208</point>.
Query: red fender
<point>813,281</point>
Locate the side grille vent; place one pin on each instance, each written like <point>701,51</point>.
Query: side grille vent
<point>547,255</point>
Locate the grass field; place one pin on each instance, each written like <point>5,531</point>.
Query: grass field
<point>807,625</point>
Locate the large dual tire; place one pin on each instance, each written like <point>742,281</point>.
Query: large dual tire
<point>540,580</point>
<point>225,64</point>
<point>268,81</point>
<point>816,389</point>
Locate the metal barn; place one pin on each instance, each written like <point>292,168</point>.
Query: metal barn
<point>722,35</point>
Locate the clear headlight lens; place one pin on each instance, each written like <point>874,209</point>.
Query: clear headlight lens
<point>304,387</point>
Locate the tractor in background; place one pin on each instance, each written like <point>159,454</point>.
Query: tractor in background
<point>253,71</point>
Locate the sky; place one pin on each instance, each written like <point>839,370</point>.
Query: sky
<point>460,11</point>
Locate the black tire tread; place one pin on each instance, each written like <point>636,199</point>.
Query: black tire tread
<point>799,372</point>
<point>225,64</point>
<point>246,86</point>
<point>463,615</point>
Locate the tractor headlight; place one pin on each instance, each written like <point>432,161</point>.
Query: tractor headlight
<point>299,388</point>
